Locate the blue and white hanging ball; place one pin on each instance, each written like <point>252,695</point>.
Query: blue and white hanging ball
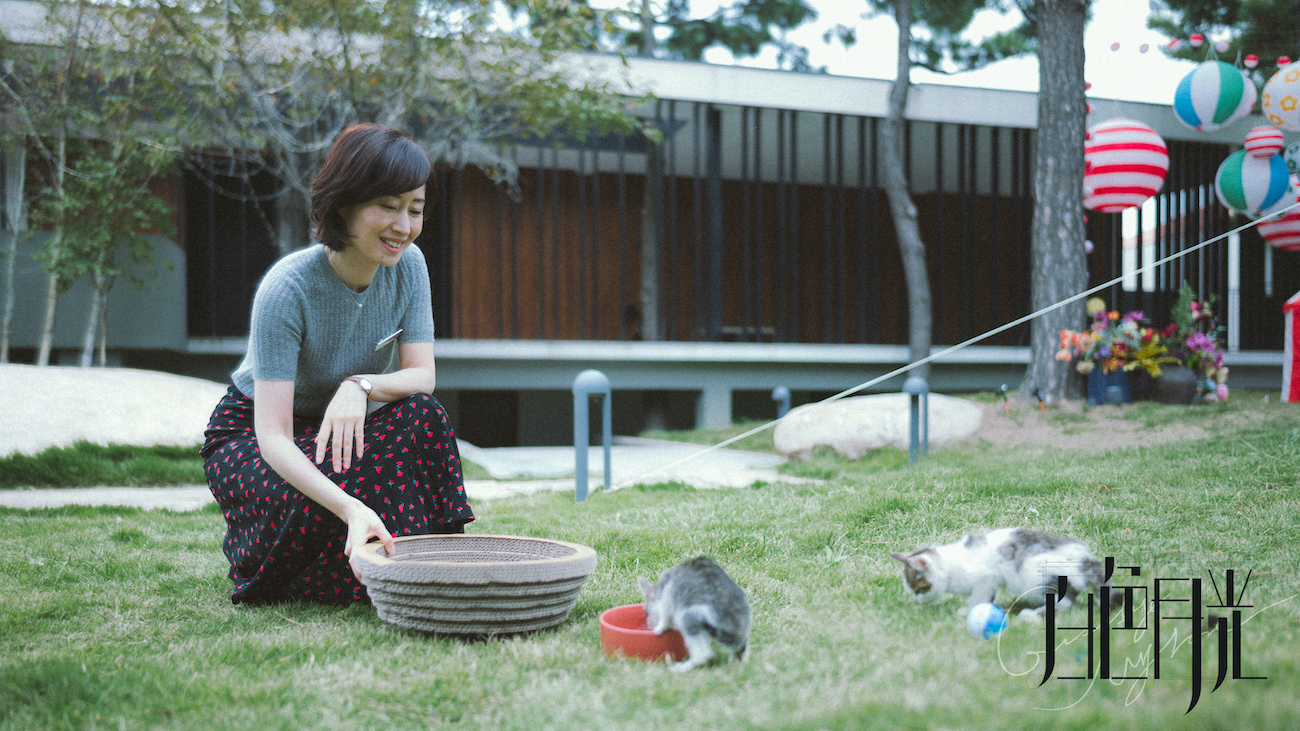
<point>1213,95</point>
<point>1250,184</point>
<point>986,620</point>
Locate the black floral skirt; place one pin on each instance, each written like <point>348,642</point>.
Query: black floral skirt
<point>282,545</point>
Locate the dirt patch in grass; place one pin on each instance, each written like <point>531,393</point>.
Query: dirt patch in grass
<point>1073,424</point>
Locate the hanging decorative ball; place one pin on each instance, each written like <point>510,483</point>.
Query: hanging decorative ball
<point>1291,155</point>
<point>1114,46</point>
<point>1251,184</point>
<point>1222,46</point>
<point>1174,45</point>
<point>1283,60</point>
<point>1288,198</point>
<point>1264,141</point>
<point>1213,95</point>
<point>1251,60</point>
<point>1125,163</point>
<point>1283,232</point>
<point>1087,85</point>
<point>1280,101</point>
<point>1143,48</point>
<point>1196,40</point>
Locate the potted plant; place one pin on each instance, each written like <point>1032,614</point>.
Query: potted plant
<point>1111,348</point>
<point>1193,338</point>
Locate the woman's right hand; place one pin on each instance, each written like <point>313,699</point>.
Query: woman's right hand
<point>363,525</point>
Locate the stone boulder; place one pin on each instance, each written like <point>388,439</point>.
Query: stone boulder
<point>855,425</point>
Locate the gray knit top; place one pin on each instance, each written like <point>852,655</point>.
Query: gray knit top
<point>309,328</point>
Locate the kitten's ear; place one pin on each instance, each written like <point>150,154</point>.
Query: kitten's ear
<point>646,587</point>
<point>916,559</point>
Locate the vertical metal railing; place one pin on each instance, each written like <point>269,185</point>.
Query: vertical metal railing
<point>774,228</point>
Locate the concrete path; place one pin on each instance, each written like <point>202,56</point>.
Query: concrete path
<point>518,471</point>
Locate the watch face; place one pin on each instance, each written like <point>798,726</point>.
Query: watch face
<point>365,385</point>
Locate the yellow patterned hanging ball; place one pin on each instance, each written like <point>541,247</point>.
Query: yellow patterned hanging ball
<point>1280,101</point>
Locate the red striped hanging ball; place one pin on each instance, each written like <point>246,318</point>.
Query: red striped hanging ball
<point>1264,141</point>
<point>1125,163</point>
<point>1283,232</point>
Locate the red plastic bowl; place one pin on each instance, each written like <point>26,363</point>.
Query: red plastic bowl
<point>623,631</point>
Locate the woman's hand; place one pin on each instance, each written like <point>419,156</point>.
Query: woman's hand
<point>343,428</point>
<point>363,524</point>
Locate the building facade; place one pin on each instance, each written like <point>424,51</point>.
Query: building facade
<point>771,259</point>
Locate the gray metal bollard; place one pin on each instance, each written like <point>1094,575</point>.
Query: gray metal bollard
<point>781,395</point>
<point>589,383</point>
<point>919,430</point>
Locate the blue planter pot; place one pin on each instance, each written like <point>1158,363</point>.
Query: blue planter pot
<point>1109,388</point>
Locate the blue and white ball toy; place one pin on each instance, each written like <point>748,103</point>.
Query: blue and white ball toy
<point>986,620</point>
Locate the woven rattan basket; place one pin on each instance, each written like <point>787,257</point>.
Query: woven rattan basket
<point>475,585</point>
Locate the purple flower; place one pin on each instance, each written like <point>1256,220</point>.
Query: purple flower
<point>1134,316</point>
<point>1200,343</point>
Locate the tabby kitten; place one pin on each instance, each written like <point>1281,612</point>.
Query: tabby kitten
<point>699,599</point>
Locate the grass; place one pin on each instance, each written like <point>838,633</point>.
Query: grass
<point>86,464</point>
<point>120,618</point>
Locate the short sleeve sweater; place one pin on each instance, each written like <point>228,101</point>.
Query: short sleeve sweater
<point>309,328</point>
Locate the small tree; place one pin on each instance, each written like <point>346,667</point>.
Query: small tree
<point>101,118</point>
<point>109,238</point>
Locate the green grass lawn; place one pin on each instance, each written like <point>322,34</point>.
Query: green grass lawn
<point>120,618</point>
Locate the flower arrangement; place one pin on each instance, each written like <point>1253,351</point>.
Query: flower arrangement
<point>1193,338</point>
<point>1114,342</point>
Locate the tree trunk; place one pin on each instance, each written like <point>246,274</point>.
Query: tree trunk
<point>15,173</point>
<point>1058,262</point>
<point>910,245</point>
<point>103,321</point>
<point>55,249</point>
<point>98,304</point>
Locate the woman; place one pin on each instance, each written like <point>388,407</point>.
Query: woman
<point>303,475</point>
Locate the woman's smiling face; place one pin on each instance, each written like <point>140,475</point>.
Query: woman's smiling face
<point>382,228</point>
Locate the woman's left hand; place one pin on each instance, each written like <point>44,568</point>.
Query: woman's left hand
<point>343,428</point>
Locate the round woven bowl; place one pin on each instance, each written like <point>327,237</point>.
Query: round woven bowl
<point>475,585</point>
<point>623,631</point>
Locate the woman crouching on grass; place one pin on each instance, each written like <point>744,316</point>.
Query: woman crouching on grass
<point>302,472</point>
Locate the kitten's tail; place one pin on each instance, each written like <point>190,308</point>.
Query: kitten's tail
<point>701,619</point>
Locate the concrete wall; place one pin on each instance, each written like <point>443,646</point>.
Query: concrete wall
<point>138,319</point>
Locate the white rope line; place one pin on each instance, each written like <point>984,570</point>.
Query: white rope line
<point>951,349</point>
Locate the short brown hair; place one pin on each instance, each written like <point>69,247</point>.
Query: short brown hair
<point>367,161</point>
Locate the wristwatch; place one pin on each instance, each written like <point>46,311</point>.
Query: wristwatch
<point>364,383</point>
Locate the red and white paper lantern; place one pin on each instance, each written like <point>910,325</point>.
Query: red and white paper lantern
<point>1264,141</point>
<point>1125,163</point>
<point>1283,232</point>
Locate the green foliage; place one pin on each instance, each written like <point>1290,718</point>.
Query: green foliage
<point>86,464</point>
<point>743,27</point>
<point>285,78</point>
<point>937,27</point>
<point>1266,28</point>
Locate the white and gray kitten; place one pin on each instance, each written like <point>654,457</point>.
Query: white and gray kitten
<point>1026,562</point>
<point>699,599</point>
